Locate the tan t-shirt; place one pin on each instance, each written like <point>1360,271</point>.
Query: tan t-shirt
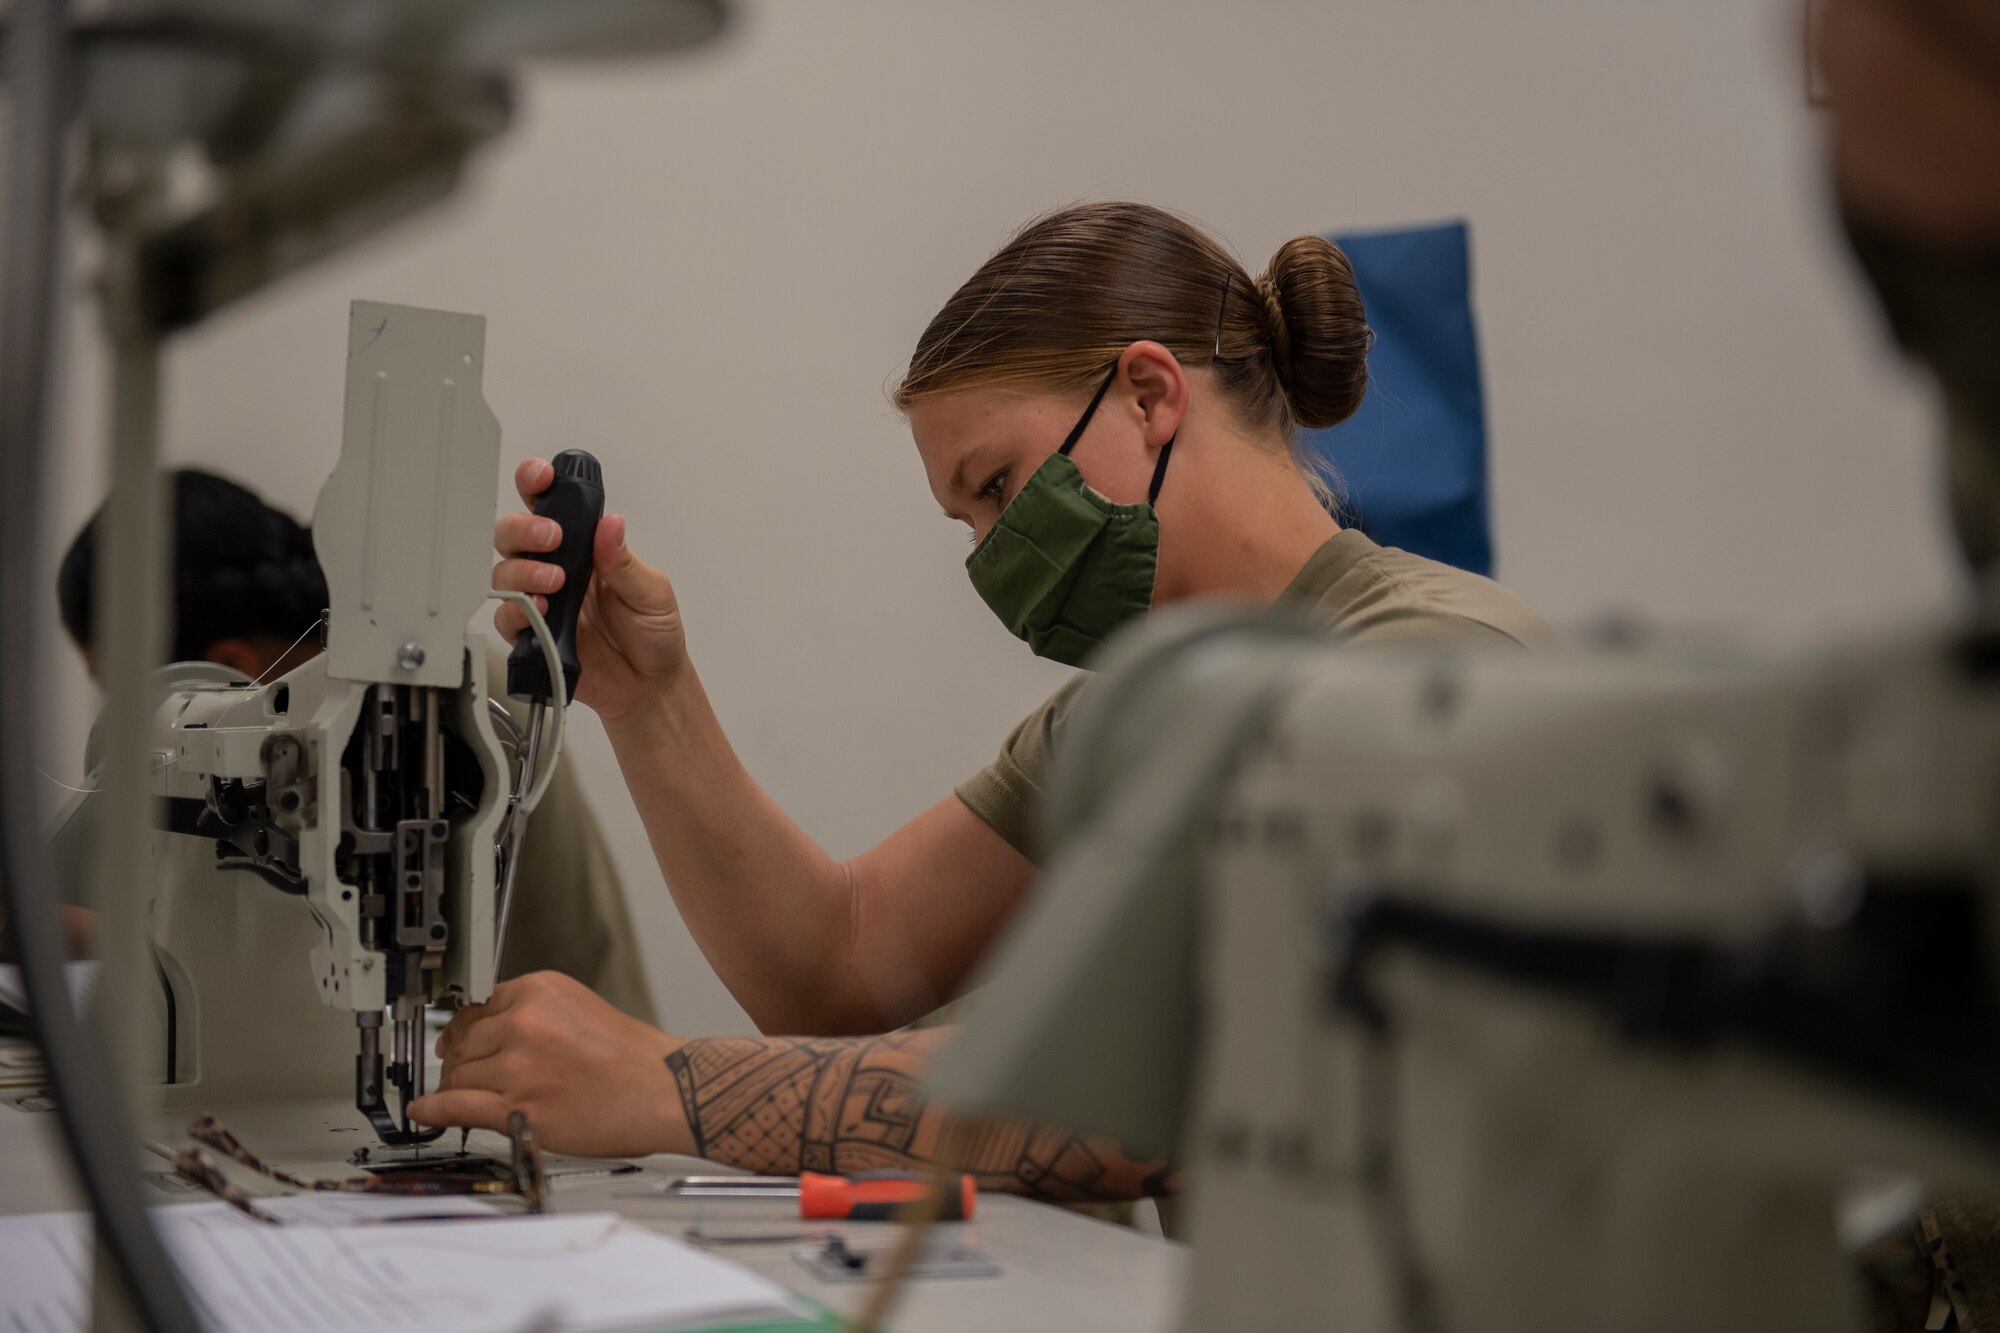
<point>1363,593</point>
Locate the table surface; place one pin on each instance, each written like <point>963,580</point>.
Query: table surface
<point>1059,1270</point>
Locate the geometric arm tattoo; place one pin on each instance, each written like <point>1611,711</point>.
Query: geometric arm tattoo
<point>781,1105</point>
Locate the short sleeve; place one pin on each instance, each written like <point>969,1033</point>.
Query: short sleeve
<point>1007,793</point>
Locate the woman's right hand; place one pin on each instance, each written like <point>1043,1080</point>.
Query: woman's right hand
<point>628,635</point>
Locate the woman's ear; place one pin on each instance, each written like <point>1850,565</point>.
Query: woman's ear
<point>1160,389</point>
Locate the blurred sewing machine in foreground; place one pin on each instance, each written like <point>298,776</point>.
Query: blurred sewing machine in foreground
<point>1512,994</point>
<point>332,845</point>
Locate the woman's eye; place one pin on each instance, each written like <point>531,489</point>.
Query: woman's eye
<point>995,487</point>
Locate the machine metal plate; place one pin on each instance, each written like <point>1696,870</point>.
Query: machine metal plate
<point>402,524</point>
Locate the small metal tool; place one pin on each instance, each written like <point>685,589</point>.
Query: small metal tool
<point>837,1261</point>
<point>870,1196</point>
<point>710,1240</point>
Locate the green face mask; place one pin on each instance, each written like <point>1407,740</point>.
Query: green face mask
<point>1064,567</point>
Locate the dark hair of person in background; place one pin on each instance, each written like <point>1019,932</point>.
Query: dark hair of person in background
<point>242,571</point>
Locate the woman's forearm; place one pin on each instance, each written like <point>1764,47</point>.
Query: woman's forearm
<point>772,912</point>
<point>781,1105</point>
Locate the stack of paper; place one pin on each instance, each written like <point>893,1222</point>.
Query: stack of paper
<point>21,1064</point>
<point>82,978</point>
<point>341,1265</point>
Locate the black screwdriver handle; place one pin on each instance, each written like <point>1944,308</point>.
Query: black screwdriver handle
<point>575,499</point>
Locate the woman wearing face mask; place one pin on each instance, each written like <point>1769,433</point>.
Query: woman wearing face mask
<point>1111,406</point>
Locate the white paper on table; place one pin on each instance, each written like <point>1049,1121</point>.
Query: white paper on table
<point>347,1210</point>
<point>590,1272</point>
<point>81,976</point>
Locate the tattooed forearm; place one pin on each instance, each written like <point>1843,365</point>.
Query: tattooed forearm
<point>781,1105</point>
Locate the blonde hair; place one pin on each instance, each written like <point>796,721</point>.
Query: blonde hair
<point>1072,290</point>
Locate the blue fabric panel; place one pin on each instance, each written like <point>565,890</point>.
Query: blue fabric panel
<point>1412,460</point>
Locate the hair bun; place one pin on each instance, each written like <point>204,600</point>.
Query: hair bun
<point>1318,329</point>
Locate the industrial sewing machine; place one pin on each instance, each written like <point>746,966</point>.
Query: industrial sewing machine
<point>221,145</point>
<point>336,847</point>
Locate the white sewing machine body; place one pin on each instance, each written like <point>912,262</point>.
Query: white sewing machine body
<point>1510,993</point>
<point>326,851</point>
<point>1558,1166</point>
<point>263,968</point>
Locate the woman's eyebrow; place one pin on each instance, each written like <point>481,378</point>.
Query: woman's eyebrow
<point>958,473</point>
<point>956,487</point>
<point>959,486</point>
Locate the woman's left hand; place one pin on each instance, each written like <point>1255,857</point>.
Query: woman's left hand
<point>593,1081</point>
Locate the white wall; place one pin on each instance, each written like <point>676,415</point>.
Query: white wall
<point>706,270</point>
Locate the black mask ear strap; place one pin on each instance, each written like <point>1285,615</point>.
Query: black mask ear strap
<point>1160,468</point>
<point>1083,422</point>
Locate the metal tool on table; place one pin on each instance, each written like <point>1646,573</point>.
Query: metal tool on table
<point>869,1196</point>
<point>834,1260</point>
<point>709,1240</point>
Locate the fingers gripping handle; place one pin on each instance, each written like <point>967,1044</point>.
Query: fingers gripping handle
<point>575,500</point>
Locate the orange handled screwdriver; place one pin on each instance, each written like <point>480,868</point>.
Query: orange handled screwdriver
<point>869,1196</point>
<point>879,1196</point>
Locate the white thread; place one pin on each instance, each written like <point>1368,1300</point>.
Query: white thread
<point>276,662</point>
<point>88,790</point>
<point>64,785</point>
<point>547,640</point>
